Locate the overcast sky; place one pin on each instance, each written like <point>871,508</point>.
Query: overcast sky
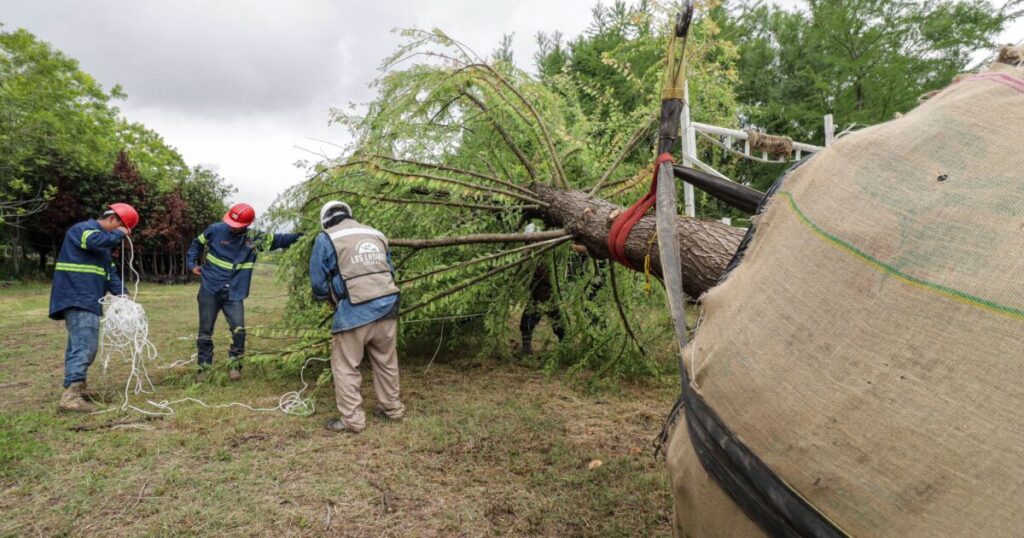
<point>235,85</point>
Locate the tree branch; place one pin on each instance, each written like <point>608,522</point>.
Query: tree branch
<point>483,259</point>
<point>470,173</point>
<point>559,172</point>
<point>476,280</point>
<point>505,136</point>
<point>442,179</point>
<point>622,311</point>
<point>630,146</point>
<point>447,203</point>
<point>479,238</point>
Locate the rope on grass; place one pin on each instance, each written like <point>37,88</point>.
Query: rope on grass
<point>125,334</point>
<point>290,403</point>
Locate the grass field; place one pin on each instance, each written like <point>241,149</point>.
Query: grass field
<point>488,448</point>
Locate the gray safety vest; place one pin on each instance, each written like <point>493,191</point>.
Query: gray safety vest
<point>362,261</point>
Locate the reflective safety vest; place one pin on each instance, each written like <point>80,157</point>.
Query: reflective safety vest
<point>362,254</point>
<point>231,257</point>
<point>84,272</point>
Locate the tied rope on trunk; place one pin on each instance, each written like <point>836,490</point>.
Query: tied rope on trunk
<point>624,223</point>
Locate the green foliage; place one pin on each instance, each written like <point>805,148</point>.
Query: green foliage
<point>450,147</point>
<point>53,116</point>
<point>65,153</point>
<point>613,75</point>
<point>861,60</point>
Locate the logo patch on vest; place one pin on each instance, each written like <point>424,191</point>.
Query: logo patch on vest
<point>368,252</point>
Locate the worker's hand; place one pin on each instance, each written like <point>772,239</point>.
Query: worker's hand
<point>124,230</point>
<point>198,271</point>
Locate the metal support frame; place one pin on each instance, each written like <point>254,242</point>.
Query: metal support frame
<point>688,144</point>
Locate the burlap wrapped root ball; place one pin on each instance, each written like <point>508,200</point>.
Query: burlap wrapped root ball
<point>869,349</point>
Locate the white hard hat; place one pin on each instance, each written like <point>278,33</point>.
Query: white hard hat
<point>332,205</point>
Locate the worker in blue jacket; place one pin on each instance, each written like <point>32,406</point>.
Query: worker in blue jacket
<point>231,249</point>
<point>85,273</point>
<point>351,268</point>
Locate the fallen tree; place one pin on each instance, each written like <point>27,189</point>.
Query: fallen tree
<point>456,155</point>
<point>846,406</point>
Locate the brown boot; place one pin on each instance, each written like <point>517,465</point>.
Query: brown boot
<point>72,401</point>
<point>88,393</point>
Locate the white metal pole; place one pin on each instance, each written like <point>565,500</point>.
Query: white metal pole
<point>740,135</point>
<point>830,130</point>
<point>689,146</point>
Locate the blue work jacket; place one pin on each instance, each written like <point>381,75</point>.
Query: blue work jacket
<point>231,257</point>
<point>85,272</point>
<point>323,272</point>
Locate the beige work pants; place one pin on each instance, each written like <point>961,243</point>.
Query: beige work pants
<point>378,341</point>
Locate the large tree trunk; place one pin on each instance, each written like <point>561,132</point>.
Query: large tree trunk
<point>705,246</point>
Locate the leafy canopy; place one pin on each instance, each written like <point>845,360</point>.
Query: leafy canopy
<point>451,146</point>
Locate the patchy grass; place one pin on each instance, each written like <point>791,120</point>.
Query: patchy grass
<point>488,448</point>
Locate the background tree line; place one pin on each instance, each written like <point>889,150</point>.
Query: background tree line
<point>66,152</point>
<point>863,61</point>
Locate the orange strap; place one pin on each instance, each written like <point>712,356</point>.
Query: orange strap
<point>624,223</point>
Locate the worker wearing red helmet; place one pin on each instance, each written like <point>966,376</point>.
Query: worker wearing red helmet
<point>231,248</point>
<point>85,273</point>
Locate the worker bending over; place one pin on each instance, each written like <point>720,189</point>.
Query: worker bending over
<point>85,273</point>
<point>351,267</point>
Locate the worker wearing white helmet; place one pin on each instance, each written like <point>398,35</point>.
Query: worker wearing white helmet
<point>351,267</point>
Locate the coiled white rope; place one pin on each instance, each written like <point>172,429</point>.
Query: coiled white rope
<point>290,403</point>
<point>125,334</point>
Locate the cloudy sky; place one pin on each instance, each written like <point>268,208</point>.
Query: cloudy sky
<point>237,85</point>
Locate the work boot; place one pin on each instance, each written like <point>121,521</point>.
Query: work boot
<point>71,400</point>
<point>235,375</point>
<point>527,348</point>
<point>379,413</point>
<point>339,426</point>
<point>88,393</point>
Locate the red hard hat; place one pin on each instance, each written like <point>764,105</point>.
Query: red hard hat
<point>240,216</point>
<point>128,215</point>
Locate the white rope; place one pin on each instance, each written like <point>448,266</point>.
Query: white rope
<point>125,334</point>
<point>290,403</point>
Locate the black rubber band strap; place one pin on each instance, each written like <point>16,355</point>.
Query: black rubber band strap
<point>749,482</point>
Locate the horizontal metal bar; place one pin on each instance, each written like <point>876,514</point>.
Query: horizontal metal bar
<point>741,135</point>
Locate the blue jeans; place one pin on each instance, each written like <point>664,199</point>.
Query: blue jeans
<point>83,342</point>
<point>210,305</point>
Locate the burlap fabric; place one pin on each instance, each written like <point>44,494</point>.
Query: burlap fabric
<point>870,346</point>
